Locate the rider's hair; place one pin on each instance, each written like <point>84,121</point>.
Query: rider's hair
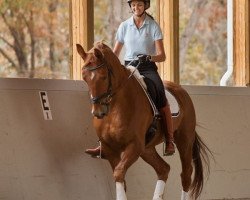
<point>149,15</point>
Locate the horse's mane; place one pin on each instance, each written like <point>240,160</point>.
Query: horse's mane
<point>100,45</point>
<point>107,52</point>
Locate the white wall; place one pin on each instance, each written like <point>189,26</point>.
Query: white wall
<point>43,159</point>
<point>224,114</point>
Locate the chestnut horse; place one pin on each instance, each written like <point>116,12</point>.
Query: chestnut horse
<point>122,115</point>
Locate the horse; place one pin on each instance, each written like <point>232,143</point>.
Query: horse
<point>122,114</point>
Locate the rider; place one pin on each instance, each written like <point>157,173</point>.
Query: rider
<point>141,35</point>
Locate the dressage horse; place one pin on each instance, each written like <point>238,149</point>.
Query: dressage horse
<point>122,115</point>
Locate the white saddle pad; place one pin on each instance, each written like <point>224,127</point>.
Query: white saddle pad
<point>174,106</point>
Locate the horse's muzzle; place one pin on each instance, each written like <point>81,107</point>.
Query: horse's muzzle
<point>100,111</point>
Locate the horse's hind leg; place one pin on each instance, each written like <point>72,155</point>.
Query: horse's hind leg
<point>185,151</point>
<point>161,168</point>
<point>187,169</point>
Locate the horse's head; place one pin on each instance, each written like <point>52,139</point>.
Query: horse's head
<point>97,73</point>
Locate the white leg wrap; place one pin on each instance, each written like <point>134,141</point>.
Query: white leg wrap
<point>184,195</point>
<point>159,190</point>
<point>120,192</point>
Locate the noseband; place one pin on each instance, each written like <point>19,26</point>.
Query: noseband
<point>105,98</point>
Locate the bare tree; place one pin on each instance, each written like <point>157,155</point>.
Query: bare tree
<point>203,41</point>
<point>18,35</point>
<point>30,36</point>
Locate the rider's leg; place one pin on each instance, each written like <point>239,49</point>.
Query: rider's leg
<point>168,124</point>
<point>162,105</point>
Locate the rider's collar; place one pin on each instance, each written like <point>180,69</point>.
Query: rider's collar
<point>132,23</point>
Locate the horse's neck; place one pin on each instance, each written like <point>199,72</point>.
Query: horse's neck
<point>129,93</point>
<point>130,96</point>
<point>121,76</point>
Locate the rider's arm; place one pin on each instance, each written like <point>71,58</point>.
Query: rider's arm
<point>117,48</point>
<point>160,52</point>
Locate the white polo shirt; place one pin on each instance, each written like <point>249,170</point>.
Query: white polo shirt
<point>138,41</point>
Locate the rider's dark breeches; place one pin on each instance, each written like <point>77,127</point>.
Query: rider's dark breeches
<point>153,82</point>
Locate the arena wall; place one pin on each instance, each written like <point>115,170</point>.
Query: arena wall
<point>46,125</point>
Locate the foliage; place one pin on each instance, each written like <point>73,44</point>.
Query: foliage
<point>204,62</point>
<point>101,25</point>
<point>32,38</point>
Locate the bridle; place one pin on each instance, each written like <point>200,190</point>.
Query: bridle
<point>105,98</point>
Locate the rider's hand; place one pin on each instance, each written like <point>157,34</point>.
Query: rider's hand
<point>144,58</point>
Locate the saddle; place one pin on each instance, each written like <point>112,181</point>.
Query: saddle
<point>145,84</point>
<point>174,106</point>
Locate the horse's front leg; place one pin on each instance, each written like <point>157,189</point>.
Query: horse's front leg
<point>127,158</point>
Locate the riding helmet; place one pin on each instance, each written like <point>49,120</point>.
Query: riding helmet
<point>147,3</point>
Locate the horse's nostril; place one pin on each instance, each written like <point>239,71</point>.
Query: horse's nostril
<point>98,115</point>
<point>100,111</point>
<point>102,114</point>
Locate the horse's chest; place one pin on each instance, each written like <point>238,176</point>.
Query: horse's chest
<point>114,133</point>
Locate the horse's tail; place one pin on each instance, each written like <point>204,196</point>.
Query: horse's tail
<point>200,153</point>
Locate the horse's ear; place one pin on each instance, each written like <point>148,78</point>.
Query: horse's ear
<point>98,53</point>
<point>81,51</point>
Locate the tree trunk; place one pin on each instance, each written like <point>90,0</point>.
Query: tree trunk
<point>190,29</point>
<point>52,9</point>
<point>30,26</point>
